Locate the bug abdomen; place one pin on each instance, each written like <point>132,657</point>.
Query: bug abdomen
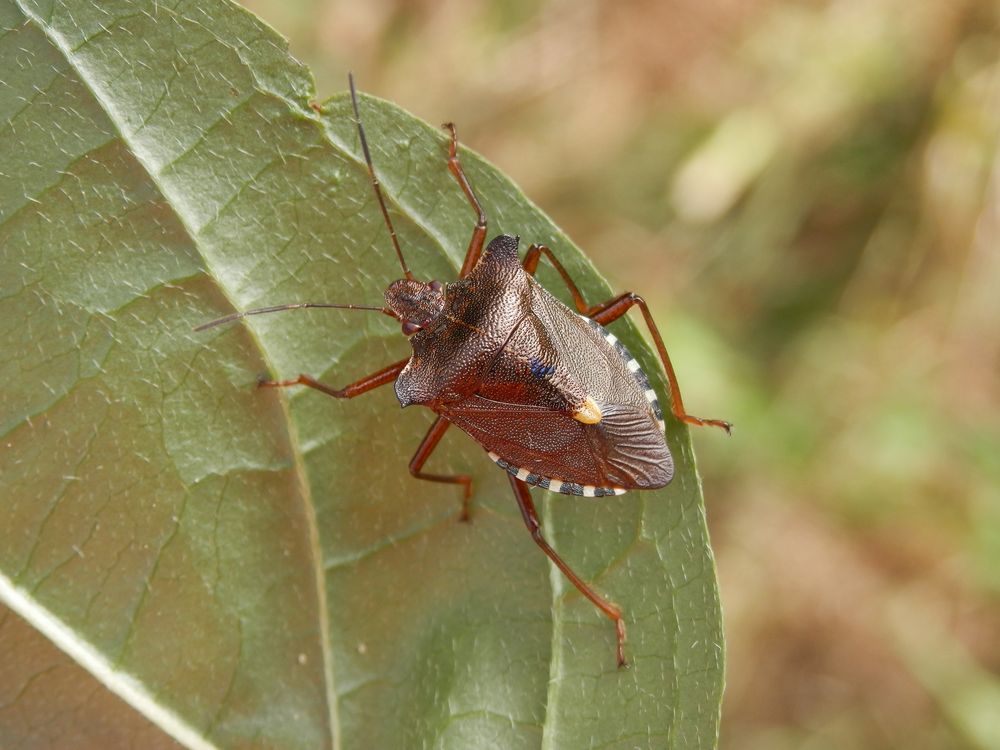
<point>551,449</point>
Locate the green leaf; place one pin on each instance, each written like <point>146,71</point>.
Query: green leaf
<point>257,568</point>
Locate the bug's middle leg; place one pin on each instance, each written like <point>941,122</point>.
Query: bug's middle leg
<point>610,311</point>
<point>530,516</point>
<point>479,233</point>
<point>424,450</point>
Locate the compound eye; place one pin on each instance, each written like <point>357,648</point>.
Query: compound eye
<point>437,286</point>
<point>410,328</point>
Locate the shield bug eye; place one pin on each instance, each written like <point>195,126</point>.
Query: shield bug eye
<point>410,328</point>
<point>437,286</point>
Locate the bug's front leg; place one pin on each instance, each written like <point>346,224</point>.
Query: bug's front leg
<point>479,232</point>
<point>371,382</point>
<point>610,311</point>
<point>530,516</point>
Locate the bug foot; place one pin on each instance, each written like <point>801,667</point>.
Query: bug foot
<point>263,381</point>
<point>465,515</point>
<point>620,647</point>
<point>720,423</point>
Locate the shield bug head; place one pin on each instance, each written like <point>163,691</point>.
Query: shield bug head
<point>552,396</point>
<point>415,303</point>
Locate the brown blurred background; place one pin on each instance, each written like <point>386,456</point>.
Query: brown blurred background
<point>809,195</point>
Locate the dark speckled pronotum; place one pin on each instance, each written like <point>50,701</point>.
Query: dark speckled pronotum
<point>554,398</point>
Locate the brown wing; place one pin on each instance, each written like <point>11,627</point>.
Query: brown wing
<point>521,410</point>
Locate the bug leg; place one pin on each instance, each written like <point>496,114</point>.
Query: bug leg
<point>610,311</point>
<point>424,450</point>
<point>373,381</point>
<point>530,264</point>
<point>479,233</point>
<point>530,516</point>
<point>523,495</point>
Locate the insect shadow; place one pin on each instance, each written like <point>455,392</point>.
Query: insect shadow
<point>552,396</point>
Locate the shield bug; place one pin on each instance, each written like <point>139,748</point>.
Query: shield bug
<point>552,396</point>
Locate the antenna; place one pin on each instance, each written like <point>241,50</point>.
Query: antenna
<point>374,178</point>
<point>294,306</point>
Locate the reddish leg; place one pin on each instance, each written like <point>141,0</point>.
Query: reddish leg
<point>383,376</point>
<point>524,502</point>
<point>424,450</point>
<point>531,259</point>
<point>479,233</point>
<point>610,311</point>
<point>614,309</point>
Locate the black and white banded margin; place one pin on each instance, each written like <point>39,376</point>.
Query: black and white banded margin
<point>555,485</point>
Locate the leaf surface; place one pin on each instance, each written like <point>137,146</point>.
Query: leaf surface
<point>249,567</point>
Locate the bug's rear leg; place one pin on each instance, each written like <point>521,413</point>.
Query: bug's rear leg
<point>371,382</point>
<point>610,311</point>
<point>530,516</point>
<point>424,450</point>
<point>479,233</point>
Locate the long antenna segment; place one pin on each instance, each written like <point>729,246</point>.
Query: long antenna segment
<point>374,178</point>
<point>294,306</point>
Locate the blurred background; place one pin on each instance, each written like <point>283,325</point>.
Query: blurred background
<point>808,194</point>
